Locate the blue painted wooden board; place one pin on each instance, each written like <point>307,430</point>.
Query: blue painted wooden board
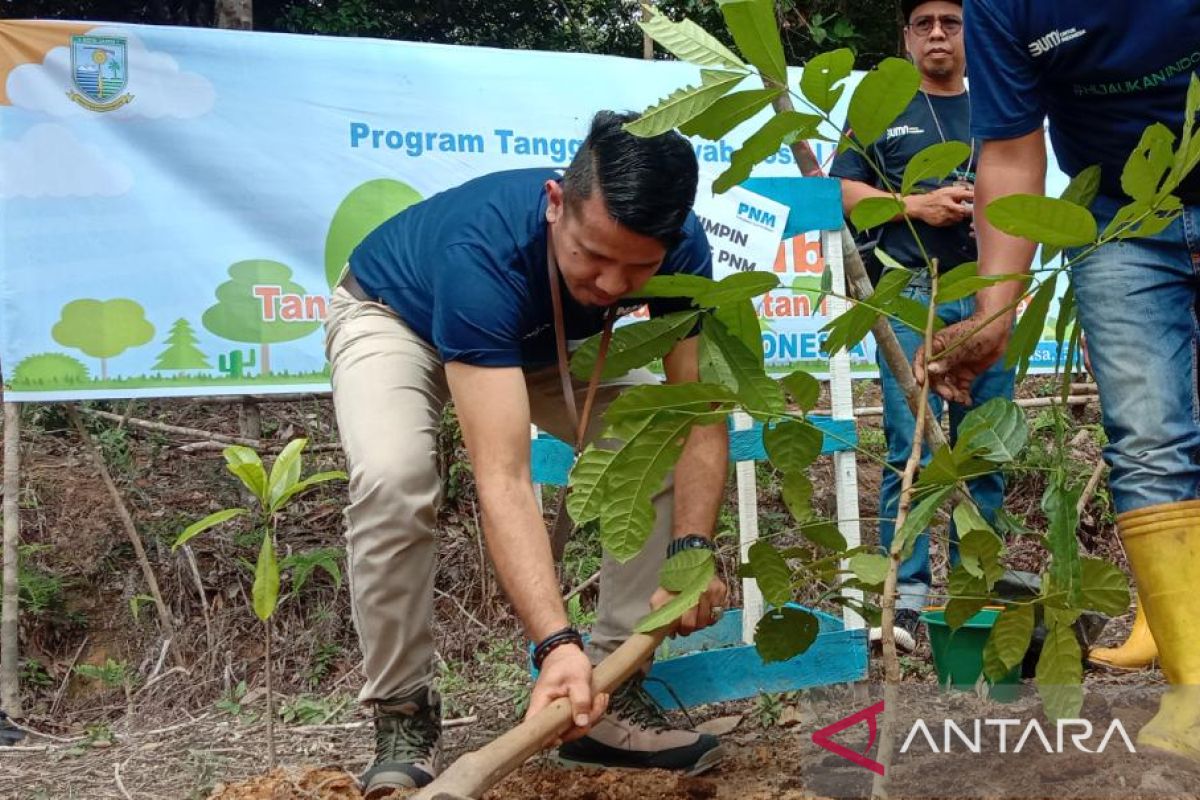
<point>713,666</point>
<point>814,204</point>
<point>551,458</point>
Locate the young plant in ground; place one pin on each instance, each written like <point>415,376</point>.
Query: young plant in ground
<point>273,493</point>
<point>612,484</point>
<point>111,675</point>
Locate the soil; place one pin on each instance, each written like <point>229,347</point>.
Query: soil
<point>191,726</point>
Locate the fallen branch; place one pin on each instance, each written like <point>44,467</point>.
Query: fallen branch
<point>162,427</point>
<point>595,577</point>
<point>117,777</point>
<point>135,539</point>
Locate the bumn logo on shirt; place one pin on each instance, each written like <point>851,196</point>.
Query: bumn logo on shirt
<point>902,130</point>
<point>1053,39</point>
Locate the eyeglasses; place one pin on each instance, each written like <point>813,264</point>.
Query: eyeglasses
<point>923,26</point>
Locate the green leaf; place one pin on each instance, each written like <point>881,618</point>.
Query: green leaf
<point>752,23</point>
<point>850,327</point>
<point>872,211</point>
<point>784,633</point>
<point>675,286</point>
<point>1062,520</point>
<point>822,75</point>
<point>881,96</point>
<point>682,569</point>
<point>688,398</point>
<point>962,281</point>
<point>248,467</point>
<point>1141,219</point>
<point>804,389</point>
<point>727,113</point>
<point>741,320</point>
<point>1081,191</point>
<point>757,391</point>
<point>772,573</point>
<point>687,41</point>
<point>797,495</point>
<point>934,163</point>
<point>913,313</point>
<point>967,519</point>
<point>588,476</point>
<point>738,286</point>
<point>1103,587</point>
<point>1147,165</point>
<point>1060,672</point>
<point>825,534</point>
<point>265,592</point>
<point>764,142</point>
<point>870,568</point>
<point>968,594</point>
<point>636,475</point>
<point>1028,333</point>
<point>918,519</point>
<point>1008,641</point>
<point>995,431</point>
<point>792,446</point>
<point>285,471</point>
<point>1045,220</point>
<point>196,528</point>
<point>684,600</point>
<point>633,346</point>
<point>684,104</point>
<point>306,484</point>
<point>980,553</point>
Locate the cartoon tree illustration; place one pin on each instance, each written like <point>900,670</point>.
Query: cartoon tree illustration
<point>181,352</point>
<point>247,308</point>
<point>359,213</point>
<point>102,328</point>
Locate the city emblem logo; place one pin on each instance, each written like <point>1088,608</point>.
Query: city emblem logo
<point>100,72</point>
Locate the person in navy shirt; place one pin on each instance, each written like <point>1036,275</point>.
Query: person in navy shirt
<point>451,299</point>
<point>940,212</point>
<point>1102,73</point>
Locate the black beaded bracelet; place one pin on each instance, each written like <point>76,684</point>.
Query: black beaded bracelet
<point>692,541</point>
<point>554,641</point>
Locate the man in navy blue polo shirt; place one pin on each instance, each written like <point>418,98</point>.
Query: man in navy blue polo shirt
<point>1103,73</point>
<point>452,299</point>
<point>940,212</point>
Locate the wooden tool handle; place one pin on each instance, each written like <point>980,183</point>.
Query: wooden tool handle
<point>474,773</point>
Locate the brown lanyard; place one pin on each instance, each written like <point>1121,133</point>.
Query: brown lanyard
<point>563,526</point>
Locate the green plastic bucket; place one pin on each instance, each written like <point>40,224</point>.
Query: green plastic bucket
<point>958,655</point>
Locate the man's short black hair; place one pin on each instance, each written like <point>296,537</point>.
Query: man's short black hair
<point>648,184</point>
<point>907,7</point>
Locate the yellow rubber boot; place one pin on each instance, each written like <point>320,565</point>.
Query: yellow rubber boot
<point>1163,544</point>
<point>1138,651</point>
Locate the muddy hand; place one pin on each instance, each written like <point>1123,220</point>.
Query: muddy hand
<point>975,350</point>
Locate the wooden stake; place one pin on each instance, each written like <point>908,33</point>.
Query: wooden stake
<point>10,681</point>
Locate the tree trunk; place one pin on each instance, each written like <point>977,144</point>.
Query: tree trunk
<point>235,14</point>
<point>10,685</point>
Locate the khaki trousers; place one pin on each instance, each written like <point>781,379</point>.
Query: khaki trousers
<point>389,390</point>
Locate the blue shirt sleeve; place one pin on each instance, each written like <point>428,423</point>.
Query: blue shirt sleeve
<point>850,164</point>
<point>477,314</point>
<point>1006,99</point>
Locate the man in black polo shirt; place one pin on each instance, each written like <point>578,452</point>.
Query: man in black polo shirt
<point>941,215</point>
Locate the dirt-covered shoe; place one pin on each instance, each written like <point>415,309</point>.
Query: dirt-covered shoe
<point>407,732</point>
<point>636,734</point>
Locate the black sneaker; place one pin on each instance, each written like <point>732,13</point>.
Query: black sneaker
<point>407,732</point>
<point>635,734</point>
<point>904,627</point>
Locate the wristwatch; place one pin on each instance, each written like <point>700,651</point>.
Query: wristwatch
<point>693,541</point>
